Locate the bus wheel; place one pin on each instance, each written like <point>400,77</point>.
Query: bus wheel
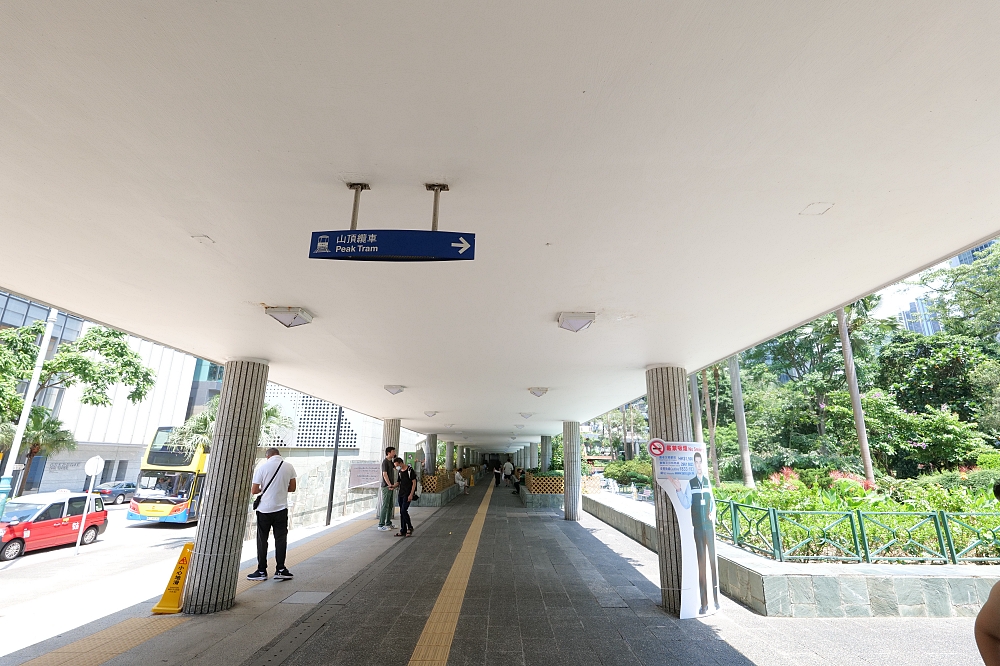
<point>12,550</point>
<point>89,536</point>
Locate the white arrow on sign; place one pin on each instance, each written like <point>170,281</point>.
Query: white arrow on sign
<point>464,245</point>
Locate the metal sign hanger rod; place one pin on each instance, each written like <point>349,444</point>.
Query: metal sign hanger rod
<point>437,189</point>
<point>357,187</point>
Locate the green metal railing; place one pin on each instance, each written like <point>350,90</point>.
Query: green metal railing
<point>930,537</point>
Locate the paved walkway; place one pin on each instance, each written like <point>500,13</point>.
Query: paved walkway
<point>519,587</point>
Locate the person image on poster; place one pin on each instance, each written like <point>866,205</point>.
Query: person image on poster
<point>696,494</point>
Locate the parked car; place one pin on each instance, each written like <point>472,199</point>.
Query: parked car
<point>116,492</point>
<point>32,522</point>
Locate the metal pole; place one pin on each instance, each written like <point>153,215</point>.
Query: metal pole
<point>83,518</point>
<point>29,399</point>
<point>437,189</point>
<point>333,472</point>
<point>695,408</point>
<point>357,187</point>
<point>852,382</point>
<point>741,420</point>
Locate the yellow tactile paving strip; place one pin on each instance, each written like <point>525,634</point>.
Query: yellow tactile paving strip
<point>109,643</point>
<point>113,641</point>
<point>434,643</point>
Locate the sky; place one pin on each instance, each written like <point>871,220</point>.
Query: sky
<point>898,297</point>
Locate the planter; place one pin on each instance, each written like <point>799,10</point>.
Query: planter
<point>541,485</point>
<point>436,483</point>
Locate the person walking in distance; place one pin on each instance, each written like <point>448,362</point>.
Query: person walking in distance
<point>385,492</point>
<point>273,480</point>
<point>697,496</point>
<point>406,480</point>
<point>496,472</point>
<point>508,470</point>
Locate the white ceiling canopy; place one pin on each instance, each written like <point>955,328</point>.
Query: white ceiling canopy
<point>700,177</point>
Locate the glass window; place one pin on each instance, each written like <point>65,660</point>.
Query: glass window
<point>98,504</point>
<point>52,513</point>
<point>36,313</point>
<point>72,329</point>
<point>13,314</point>
<point>76,506</point>
<point>19,511</point>
<point>122,471</point>
<point>166,484</point>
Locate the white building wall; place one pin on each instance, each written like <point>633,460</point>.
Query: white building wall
<point>121,431</point>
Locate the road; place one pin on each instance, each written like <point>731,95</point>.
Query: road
<point>47,592</point>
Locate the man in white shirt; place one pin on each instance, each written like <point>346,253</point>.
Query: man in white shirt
<point>273,479</point>
<point>508,470</point>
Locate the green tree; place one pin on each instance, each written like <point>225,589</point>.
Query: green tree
<point>200,428</point>
<point>100,359</point>
<point>935,370</point>
<point>966,298</point>
<point>44,435</point>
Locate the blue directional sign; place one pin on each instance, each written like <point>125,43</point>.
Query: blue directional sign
<point>393,245</point>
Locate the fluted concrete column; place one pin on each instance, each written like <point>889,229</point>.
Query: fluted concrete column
<point>449,457</point>
<point>461,456</point>
<point>669,420</point>
<point>390,435</point>
<point>533,463</point>
<point>571,470</point>
<point>546,460</point>
<point>430,453</point>
<point>212,578</point>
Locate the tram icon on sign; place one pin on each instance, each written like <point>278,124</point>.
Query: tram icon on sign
<point>323,243</point>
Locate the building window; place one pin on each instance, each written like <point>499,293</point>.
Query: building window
<point>122,470</point>
<point>109,468</point>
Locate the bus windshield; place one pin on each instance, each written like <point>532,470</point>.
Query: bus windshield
<point>164,454</point>
<point>165,484</point>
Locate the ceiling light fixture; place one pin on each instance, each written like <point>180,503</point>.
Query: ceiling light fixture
<point>394,389</point>
<point>430,414</point>
<point>519,426</point>
<point>526,415</point>
<point>538,391</point>
<point>449,425</point>
<point>512,437</point>
<point>576,321</point>
<point>204,240</point>
<point>289,317</point>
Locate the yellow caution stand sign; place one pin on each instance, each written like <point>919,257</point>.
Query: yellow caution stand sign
<point>173,597</point>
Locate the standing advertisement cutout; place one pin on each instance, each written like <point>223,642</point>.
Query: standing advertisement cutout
<point>679,468</point>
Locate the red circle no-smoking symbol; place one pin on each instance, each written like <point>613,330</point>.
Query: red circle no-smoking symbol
<point>656,447</point>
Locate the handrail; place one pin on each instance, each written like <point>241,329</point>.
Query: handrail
<point>929,537</point>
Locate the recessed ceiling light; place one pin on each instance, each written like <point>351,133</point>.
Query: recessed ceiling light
<point>289,317</point>
<point>512,437</point>
<point>458,432</point>
<point>526,415</point>
<point>429,414</point>
<point>519,426</point>
<point>816,208</point>
<point>394,388</point>
<point>448,425</point>
<point>576,321</point>
<point>204,240</point>
<point>538,391</point>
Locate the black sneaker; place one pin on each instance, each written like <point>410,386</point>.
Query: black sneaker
<point>258,575</point>
<point>283,574</point>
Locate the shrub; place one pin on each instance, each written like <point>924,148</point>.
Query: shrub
<point>627,472</point>
<point>988,460</point>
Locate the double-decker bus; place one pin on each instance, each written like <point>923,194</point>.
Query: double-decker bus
<point>170,482</point>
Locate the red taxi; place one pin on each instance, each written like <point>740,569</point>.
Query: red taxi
<point>31,522</point>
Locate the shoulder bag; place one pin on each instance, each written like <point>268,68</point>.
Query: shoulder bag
<point>256,500</point>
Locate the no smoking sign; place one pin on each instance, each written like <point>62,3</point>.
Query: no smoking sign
<point>657,447</point>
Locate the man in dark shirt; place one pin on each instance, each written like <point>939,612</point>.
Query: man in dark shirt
<point>385,491</point>
<point>407,483</point>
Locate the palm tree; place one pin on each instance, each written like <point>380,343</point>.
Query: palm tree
<point>44,435</point>
<point>200,428</point>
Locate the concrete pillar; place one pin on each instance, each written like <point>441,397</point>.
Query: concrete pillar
<point>571,470</point>
<point>462,453</point>
<point>449,457</point>
<point>669,420</point>
<point>546,460</point>
<point>533,463</point>
<point>390,435</point>
<point>430,453</point>
<point>212,578</point>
